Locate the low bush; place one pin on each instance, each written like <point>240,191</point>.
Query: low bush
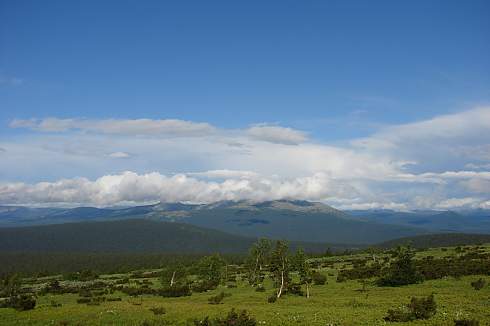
<point>319,279</point>
<point>478,285</point>
<point>158,310</point>
<point>203,286</point>
<point>466,322</point>
<point>232,319</point>
<point>272,298</point>
<point>177,290</point>
<point>217,299</point>
<point>114,299</point>
<point>85,293</point>
<point>418,308</point>
<point>260,288</point>
<point>295,289</point>
<point>22,302</point>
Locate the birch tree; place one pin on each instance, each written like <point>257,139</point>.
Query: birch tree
<point>259,257</point>
<point>301,265</point>
<point>280,266</point>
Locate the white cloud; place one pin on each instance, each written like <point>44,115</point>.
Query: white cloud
<point>467,202</point>
<point>414,166</point>
<point>464,125</point>
<point>277,134</point>
<point>119,155</point>
<point>167,127</point>
<point>477,166</point>
<point>132,187</point>
<point>225,174</point>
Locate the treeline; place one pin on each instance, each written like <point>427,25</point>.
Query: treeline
<point>40,264</point>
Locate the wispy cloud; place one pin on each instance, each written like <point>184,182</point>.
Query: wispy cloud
<point>10,81</point>
<point>168,127</point>
<point>119,155</point>
<point>277,134</point>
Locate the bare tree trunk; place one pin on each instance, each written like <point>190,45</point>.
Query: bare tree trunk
<point>172,281</point>
<point>307,290</point>
<point>282,284</point>
<point>254,277</point>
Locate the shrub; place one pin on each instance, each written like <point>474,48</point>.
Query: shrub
<point>319,279</point>
<point>418,308</point>
<point>272,298</point>
<point>83,300</point>
<point>294,288</point>
<point>85,293</point>
<point>400,314</point>
<point>218,298</point>
<point>478,285</point>
<point>232,319</point>
<point>402,270</point>
<point>466,322</point>
<point>158,310</point>
<point>114,299</point>
<point>84,275</point>
<point>423,308</point>
<point>54,304</point>
<point>122,281</point>
<point>53,287</point>
<point>237,319</point>
<point>182,290</point>
<point>22,302</point>
<point>203,286</point>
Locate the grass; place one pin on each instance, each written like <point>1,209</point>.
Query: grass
<point>330,304</point>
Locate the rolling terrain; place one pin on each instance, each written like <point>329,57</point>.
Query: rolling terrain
<point>291,220</point>
<point>132,236</point>
<point>282,219</point>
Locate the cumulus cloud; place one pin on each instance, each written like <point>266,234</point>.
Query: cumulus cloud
<point>167,127</point>
<point>132,187</point>
<point>277,134</point>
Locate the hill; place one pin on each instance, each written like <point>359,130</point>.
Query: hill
<point>282,219</point>
<point>470,221</point>
<point>132,235</point>
<point>438,240</point>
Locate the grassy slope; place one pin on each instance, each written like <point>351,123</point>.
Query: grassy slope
<point>334,303</point>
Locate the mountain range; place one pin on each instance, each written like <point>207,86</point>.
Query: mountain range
<point>293,220</point>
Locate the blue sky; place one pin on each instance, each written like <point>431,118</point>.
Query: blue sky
<point>313,79</point>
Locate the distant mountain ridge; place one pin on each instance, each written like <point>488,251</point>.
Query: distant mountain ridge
<point>294,220</point>
<point>470,221</point>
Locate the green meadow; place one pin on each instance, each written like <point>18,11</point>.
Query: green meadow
<point>352,302</point>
